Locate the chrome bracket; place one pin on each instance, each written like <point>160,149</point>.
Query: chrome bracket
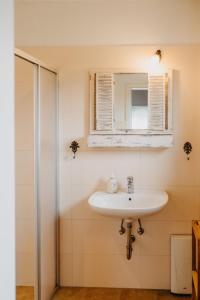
<point>74,146</point>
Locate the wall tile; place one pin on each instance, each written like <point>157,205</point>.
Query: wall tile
<point>25,236</point>
<point>155,272</point>
<point>66,269</point>
<point>98,237</point>
<point>24,201</point>
<point>106,271</point>
<point>65,206</point>
<point>25,269</point>
<point>24,105</point>
<point>156,239</point>
<point>66,236</point>
<point>183,205</point>
<point>85,169</point>
<point>168,167</point>
<point>65,202</point>
<point>65,189</point>
<point>80,208</point>
<point>24,167</point>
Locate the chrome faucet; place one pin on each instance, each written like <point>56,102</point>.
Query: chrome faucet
<point>130,185</point>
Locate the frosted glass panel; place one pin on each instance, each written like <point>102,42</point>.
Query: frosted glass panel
<point>47,183</point>
<point>24,146</point>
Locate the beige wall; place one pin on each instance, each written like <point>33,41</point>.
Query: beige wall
<point>106,22</point>
<point>92,251</point>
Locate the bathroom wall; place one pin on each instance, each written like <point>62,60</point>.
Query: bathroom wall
<point>106,22</point>
<point>92,251</point>
<point>24,130</point>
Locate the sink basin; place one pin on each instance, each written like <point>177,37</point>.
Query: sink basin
<point>128,206</point>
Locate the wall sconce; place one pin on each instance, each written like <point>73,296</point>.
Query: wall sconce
<point>155,65</point>
<point>156,58</point>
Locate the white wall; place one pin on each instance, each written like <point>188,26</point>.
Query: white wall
<point>106,22</point>
<point>7,194</point>
<point>92,251</point>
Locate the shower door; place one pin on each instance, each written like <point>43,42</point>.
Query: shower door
<point>36,178</point>
<point>46,178</point>
<point>24,145</point>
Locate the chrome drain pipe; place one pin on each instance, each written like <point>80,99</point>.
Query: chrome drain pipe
<point>130,240</point>
<point>130,237</point>
<point>122,229</point>
<point>140,229</point>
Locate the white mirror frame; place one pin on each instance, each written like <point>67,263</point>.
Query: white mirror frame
<point>128,137</point>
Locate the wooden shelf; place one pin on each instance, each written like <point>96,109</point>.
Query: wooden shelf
<point>196,229</point>
<point>195,259</point>
<point>195,281</point>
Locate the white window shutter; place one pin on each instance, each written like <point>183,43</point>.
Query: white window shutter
<point>104,101</point>
<point>157,95</point>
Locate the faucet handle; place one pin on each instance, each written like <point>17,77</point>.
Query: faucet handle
<point>130,179</point>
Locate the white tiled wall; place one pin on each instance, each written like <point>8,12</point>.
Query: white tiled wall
<point>24,173</point>
<point>92,251</point>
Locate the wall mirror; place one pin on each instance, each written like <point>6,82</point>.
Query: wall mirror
<point>130,109</point>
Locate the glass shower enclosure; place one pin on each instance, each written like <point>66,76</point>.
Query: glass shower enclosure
<point>37,231</point>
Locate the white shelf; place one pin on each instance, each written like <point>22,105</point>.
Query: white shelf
<point>130,141</point>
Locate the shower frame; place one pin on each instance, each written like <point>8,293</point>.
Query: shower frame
<point>37,242</point>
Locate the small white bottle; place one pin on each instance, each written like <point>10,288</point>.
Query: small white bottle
<point>112,184</point>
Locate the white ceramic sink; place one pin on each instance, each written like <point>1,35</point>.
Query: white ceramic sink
<point>124,205</point>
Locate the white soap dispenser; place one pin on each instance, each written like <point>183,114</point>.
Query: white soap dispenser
<point>112,184</point>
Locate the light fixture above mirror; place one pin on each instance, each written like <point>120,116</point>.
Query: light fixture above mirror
<point>157,56</point>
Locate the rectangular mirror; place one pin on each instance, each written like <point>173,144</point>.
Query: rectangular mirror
<point>130,103</point>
